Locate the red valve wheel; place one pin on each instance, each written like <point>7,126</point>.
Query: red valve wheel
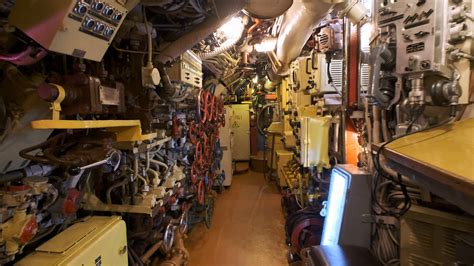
<point>194,173</point>
<point>210,183</point>
<point>198,156</point>
<point>200,192</point>
<point>210,105</point>
<point>192,132</point>
<point>203,106</point>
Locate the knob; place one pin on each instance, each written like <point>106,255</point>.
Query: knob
<point>108,11</point>
<point>109,32</point>
<point>98,6</point>
<point>89,23</point>
<point>99,27</point>
<point>117,16</point>
<point>80,9</point>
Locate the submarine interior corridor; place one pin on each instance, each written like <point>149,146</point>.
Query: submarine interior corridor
<point>236,132</point>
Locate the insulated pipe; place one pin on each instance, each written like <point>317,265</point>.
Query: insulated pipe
<point>300,20</point>
<point>297,26</point>
<point>224,47</point>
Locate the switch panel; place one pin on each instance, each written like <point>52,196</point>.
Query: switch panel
<point>430,37</point>
<point>81,28</point>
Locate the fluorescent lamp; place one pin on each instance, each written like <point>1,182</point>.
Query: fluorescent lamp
<point>335,209</point>
<point>267,45</point>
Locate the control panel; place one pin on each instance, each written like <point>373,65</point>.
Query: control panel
<point>422,41</point>
<point>420,33</point>
<point>81,28</point>
<point>304,74</point>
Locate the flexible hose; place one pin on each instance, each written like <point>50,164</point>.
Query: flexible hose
<point>224,47</point>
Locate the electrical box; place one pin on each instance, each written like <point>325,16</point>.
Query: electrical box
<point>83,29</point>
<point>284,95</point>
<point>314,139</point>
<point>188,70</point>
<point>304,74</point>
<point>95,241</point>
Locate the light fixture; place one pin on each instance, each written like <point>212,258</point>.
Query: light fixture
<point>233,28</point>
<point>335,208</point>
<point>267,45</point>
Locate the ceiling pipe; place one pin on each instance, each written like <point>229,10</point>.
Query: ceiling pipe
<point>300,20</point>
<point>224,9</point>
<point>297,26</point>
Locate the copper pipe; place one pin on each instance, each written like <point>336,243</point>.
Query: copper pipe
<point>145,257</point>
<point>257,23</point>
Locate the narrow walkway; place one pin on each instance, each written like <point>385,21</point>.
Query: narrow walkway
<point>247,228</point>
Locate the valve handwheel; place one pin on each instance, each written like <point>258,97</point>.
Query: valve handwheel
<point>198,156</point>
<point>202,106</point>
<point>200,192</point>
<point>194,173</point>
<point>210,106</point>
<point>192,132</point>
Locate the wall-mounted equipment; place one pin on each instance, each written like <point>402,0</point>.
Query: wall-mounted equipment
<point>314,141</point>
<point>94,241</point>
<point>304,74</point>
<point>188,70</point>
<point>82,29</point>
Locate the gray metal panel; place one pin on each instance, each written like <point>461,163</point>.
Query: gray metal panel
<point>354,229</point>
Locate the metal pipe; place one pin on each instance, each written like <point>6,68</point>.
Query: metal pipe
<point>376,132</point>
<point>385,132</point>
<point>152,250</point>
<point>368,125</point>
<point>345,90</point>
<point>160,164</point>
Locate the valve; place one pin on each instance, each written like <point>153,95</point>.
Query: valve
<point>200,192</point>
<point>192,132</point>
<point>210,106</point>
<point>198,155</point>
<point>194,173</point>
<point>202,106</point>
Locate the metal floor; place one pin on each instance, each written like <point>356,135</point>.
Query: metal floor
<point>247,228</point>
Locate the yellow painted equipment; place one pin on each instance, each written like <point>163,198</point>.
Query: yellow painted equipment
<point>95,241</point>
<point>315,141</point>
<point>71,27</point>
<point>282,158</point>
<point>126,130</point>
